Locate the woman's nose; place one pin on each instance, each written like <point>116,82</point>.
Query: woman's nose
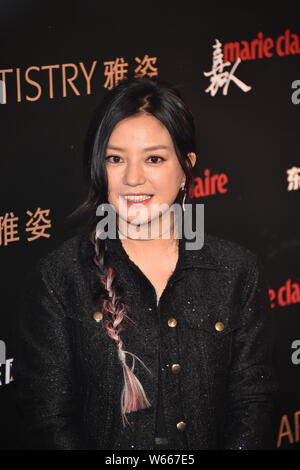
<point>134,174</point>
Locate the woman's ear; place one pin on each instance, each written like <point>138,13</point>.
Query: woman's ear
<point>193,157</point>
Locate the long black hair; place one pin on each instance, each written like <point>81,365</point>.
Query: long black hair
<point>131,97</point>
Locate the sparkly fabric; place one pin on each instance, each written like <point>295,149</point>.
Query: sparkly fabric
<point>67,376</point>
<point>161,438</point>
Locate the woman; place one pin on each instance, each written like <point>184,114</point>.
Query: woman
<point>129,340</point>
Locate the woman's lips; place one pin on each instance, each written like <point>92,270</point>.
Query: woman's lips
<point>130,203</point>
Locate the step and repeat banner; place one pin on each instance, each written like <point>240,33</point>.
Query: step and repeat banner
<point>238,70</point>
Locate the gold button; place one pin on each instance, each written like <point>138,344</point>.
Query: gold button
<point>98,316</point>
<point>219,326</point>
<point>175,368</point>
<point>181,426</point>
<point>172,322</point>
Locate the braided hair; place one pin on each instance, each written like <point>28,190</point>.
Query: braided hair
<point>133,397</point>
<point>132,96</point>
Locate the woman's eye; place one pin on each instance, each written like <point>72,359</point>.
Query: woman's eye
<point>155,157</point>
<point>112,156</point>
<point>116,159</point>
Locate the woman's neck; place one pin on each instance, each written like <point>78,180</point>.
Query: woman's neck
<point>162,244</point>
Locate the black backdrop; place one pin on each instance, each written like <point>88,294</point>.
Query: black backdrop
<point>247,135</point>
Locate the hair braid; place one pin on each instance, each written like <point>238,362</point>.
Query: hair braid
<point>133,397</point>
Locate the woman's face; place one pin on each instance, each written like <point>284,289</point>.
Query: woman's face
<point>141,159</point>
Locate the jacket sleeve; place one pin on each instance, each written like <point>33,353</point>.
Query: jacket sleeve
<point>253,380</point>
<point>46,392</point>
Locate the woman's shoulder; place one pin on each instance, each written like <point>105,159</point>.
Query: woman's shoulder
<point>230,253</point>
<point>65,260</point>
<point>237,262</point>
<point>66,249</point>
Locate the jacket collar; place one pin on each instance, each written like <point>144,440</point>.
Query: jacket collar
<point>188,259</point>
<point>200,258</point>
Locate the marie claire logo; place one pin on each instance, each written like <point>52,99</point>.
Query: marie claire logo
<point>134,222</point>
<point>220,78</point>
<point>5,366</point>
<point>235,52</point>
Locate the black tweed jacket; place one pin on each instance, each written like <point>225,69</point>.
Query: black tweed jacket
<point>68,379</point>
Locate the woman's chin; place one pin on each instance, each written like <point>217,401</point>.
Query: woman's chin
<point>134,222</point>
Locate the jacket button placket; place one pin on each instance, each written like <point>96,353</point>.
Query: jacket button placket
<point>171,377</point>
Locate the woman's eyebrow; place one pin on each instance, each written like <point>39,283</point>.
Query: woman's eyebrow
<point>153,147</point>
